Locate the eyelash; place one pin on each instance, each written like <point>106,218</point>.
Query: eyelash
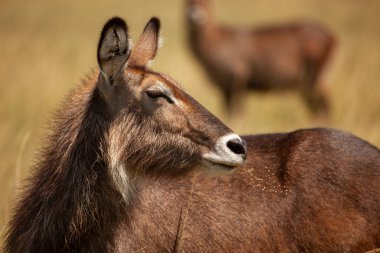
<point>156,94</point>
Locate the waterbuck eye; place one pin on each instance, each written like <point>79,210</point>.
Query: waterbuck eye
<point>156,94</point>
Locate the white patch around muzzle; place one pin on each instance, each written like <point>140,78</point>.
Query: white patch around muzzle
<point>223,155</point>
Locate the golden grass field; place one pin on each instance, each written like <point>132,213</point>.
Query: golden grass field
<point>47,47</point>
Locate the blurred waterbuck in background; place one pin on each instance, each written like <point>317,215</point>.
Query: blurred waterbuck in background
<point>273,58</point>
<point>134,164</point>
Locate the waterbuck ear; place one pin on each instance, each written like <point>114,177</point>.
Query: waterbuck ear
<point>146,48</point>
<point>113,47</point>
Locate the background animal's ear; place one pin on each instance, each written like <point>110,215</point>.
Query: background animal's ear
<point>113,47</point>
<point>146,48</point>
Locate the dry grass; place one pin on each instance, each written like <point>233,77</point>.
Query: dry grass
<point>48,46</point>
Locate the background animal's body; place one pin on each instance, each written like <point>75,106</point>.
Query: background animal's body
<point>272,58</point>
<point>124,170</point>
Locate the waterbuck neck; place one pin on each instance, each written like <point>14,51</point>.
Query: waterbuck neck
<point>67,209</point>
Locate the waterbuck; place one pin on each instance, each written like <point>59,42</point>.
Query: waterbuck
<point>135,164</point>
<point>272,58</point>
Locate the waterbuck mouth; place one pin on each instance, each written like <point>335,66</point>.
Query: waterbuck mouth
<point>224,161</point>
<point>218,166</point>
<point>230,151</point>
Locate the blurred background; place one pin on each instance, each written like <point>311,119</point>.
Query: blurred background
<point>47,47</point>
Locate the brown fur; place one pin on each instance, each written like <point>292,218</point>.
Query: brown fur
<point>272,58</point>
<point>126,175</point>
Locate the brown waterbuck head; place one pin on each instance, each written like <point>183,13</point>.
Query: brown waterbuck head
<point>155,126</point>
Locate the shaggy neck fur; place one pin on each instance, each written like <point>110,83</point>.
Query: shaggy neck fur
<point>71,200</point>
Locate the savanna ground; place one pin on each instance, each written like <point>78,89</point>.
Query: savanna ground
<point>47,47</point>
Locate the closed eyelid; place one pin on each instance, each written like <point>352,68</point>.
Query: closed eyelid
<point>157,89</point>
<point>165,93</point>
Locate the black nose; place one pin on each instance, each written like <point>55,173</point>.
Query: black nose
<point>238,146</point>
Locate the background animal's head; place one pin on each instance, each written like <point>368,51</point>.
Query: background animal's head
<point>155,126</point>
<point>198,11</point>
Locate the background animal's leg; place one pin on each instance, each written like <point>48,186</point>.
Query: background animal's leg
<point>317,97</point>
<point>317,92</point>
<point>234,97</point>
<point>232,102</point>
